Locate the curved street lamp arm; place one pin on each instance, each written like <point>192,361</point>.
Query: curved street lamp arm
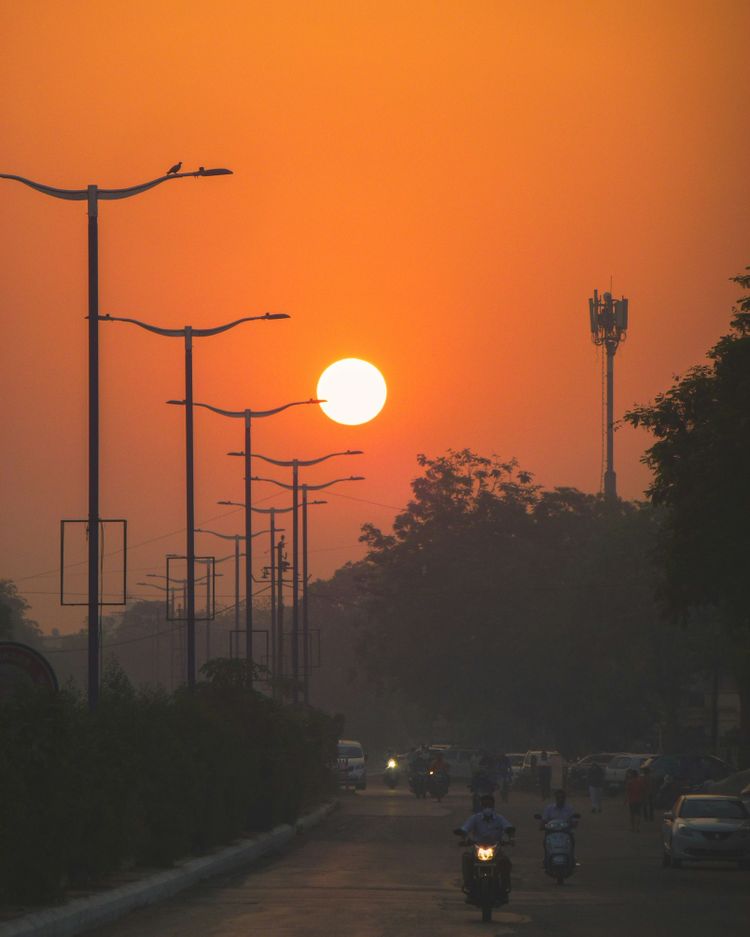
<point>300,462</point>
<point>172,333</point>
<point>80,195</point>
<point>201,530</point>
<point>259,478</point>
<point>239,414</point>
<point>256,414</point>
<point>350,478</point>
<point>266,317</point>
<point>240,504</point>
<point>200,333</point>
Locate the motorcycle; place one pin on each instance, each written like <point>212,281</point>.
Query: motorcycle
<point>559,848</point>
<point>486,888</point>
<point>438,783</point>
<point>390,775</point>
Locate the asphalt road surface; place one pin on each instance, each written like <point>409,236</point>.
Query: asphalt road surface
<point>387,865</point>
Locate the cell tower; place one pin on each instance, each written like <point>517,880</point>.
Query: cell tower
<point>609,325</point>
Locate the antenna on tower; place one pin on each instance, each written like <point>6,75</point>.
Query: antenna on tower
<point>608,320</point>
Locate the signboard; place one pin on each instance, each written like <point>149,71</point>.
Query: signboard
<point>23,666</point>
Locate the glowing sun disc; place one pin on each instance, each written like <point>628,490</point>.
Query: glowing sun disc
<point>354,391</point>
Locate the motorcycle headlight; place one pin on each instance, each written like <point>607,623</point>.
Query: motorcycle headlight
<point>485,853</point>
<point>392,763</point>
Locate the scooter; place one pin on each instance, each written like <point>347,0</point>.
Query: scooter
<point>486,889</point>
<point>390,775</point>
<point>559,848</point>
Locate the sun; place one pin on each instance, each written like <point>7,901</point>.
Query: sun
<point>354,391</point>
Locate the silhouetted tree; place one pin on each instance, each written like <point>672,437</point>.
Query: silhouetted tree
<point>520,613</point>
<point>701,467</point>
<point>14,625</point>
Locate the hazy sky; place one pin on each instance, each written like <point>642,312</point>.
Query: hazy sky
<point>436,187</point>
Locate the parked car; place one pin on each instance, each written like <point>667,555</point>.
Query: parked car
<point>578,772</point>
<point>618,767</point>
<point>686,772</point>
<point>352,764</point>
<point>706,827</point>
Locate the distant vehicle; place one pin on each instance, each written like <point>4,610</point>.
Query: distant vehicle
<point>617,768</point>
<point>352,764</point>
<point>459,761</point>
<point>578,772</point>
<point>706,827</point>
<point>527,778</point>
<point>686,772</point>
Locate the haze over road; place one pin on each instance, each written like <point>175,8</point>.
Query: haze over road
<point>387,864</point>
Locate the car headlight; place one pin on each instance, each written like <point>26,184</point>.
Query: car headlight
<point>485,853</point>
<point>392,763</point>
<point>686,831</point>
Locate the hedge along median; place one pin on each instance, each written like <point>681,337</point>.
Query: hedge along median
<point>148,777</point>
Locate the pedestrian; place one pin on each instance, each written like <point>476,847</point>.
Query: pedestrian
<point>544,775</point>
<point>595,781</point>
<point>634,799</point>
<point>504,775</point>
<point>648,793</point>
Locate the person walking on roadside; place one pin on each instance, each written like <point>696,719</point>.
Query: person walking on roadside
<point>595,781</point>
<point>648,793</point>
<point>544,775</point>
<point>634,799</point>
<point>504,775</point>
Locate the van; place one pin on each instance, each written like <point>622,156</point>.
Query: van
<point>351,764</point>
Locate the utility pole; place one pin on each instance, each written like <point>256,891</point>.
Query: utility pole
<point>281,565</point>
<point>608,319</point>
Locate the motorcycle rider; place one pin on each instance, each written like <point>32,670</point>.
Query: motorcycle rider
<point>439,764</point>
<point>487,826</point>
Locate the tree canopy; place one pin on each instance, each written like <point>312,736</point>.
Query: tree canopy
<point>520,612</point>
<point>701,483</point>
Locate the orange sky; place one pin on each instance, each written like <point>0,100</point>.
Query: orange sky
<point>436,187</point>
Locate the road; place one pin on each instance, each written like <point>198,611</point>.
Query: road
<point>386,865</point>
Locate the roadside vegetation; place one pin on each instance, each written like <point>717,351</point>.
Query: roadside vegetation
<point>148,777</point>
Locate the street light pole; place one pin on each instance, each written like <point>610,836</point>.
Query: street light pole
<point>248,415</point>
<point>294,487</point>
<point>92,195</point>
<point>187,333</point>
<point>237,554</point>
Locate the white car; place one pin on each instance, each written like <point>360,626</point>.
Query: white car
<point>706,827</point>
<point>618,766</point>
<point>459,761</point>
<point>352,764</point>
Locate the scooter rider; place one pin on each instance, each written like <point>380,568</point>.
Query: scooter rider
<point>559,810</point>
<point>486,827</point>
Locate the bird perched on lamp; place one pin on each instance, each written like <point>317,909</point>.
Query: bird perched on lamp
<point>174,169</point>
